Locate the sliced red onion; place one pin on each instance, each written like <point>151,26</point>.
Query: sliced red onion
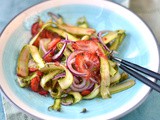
<point>61,75</point>
<point>48,52</point>
<point>66,102</point>
<point>76,80</point>
<point>104,31</point>
<point>60,53</point>
<point>71,60</point>
<point>68,90</point>
<point>79,85</point>
<point>101,41</point>
<point>96,88</point>
<point>81,89</point>
<point>91,86</point>
<point>67,40</point>
<point>93,80</point>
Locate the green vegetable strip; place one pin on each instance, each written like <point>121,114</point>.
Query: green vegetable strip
<point>115,45</point>
<point>67,80</point>
<point>66,52</point>
<point>68,99</point>
<point>50,67</point>
<point>69,46</point>
<point>112,71</point>
<point>21,82</point>
<point>24,82</point>
<point>94,93</point>
<point>76,30</point>
<point>124,76</point>
<point>62,33</point>
<point>77,96</point>
<point>121,86</point>
<point>60,21</point>
<point>86,37</point>
<point>30,77</point>
<point>63,82</point>
<point>109,37</point>
<point>112,63</point>
<point>123,35</point>
<point>82,22</point>
<point>56,94</point>
<point>43,27</point>
<point>105,78</point>
<point>23,59</point>
<point>57,105</point>
<point>116,78</point>
<point>46,80</point>
<point>44,42</point>
<point>36,56</point>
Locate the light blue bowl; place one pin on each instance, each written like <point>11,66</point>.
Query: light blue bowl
<point>138,47</point>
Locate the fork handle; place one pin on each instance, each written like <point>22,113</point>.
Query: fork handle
<point>139,68</point>
<point>141,78</point>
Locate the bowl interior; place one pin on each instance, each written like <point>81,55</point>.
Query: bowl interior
<point>135,48</point>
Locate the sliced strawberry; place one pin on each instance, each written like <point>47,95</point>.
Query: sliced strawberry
<point>49,34</point>
<point>42,92</point>
<point>39,73</point>
<point>44,34</point>
<point>32,69</point>
<point>85,45</point>
<point>85,92</point>
<point>87,63</point>
<point>35,82</point>
<point>48,58</point>
<point>35,85</point>
<point>36,27</point>
<point>53,43</point>
<point>36,43</point>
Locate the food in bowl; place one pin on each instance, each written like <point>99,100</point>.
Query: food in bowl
<point>101,15</point>
<point>71,63</point>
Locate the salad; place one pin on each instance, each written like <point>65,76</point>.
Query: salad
<point>71,63</point>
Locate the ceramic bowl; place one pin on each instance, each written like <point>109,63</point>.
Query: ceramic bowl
<point>139,47</point>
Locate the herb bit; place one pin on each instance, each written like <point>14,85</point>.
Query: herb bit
<point>84,110</point>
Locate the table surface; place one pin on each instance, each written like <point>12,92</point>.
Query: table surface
<point>148,10</point>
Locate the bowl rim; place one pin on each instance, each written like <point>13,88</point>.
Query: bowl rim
<point>120,115</point>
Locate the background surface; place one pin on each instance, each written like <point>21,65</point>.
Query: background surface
<point>148,10</point>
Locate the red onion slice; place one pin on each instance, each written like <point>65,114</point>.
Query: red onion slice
<point>48,52</point>
<point>61,75</point>
<point>60,53</point>
<point>93,80</point>
<point>71,60</point>
<point>66,103</point>
<point>80,89</point>
<point>76,80</point>
<point>79,85</point>
<point>91,86</point>
<point>101,41</point>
